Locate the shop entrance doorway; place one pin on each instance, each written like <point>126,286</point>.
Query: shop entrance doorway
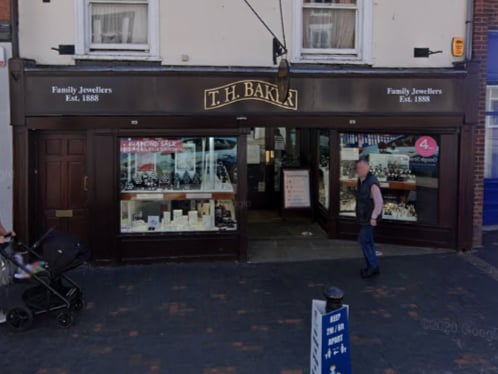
<point>62,183</point>
<point>272,230</point>
<point>269,151</point>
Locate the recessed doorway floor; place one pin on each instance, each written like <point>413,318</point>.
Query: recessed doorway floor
<point>293,237</point>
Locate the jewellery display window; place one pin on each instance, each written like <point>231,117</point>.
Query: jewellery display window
<point>324,168</point>
<point>178,184</point>
<point>407,167</point>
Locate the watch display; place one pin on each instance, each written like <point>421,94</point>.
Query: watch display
<point>408,177</point>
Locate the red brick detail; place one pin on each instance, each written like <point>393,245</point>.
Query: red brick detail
<point>4,10</point>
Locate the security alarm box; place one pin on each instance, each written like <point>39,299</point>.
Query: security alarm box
<point>458,47</point>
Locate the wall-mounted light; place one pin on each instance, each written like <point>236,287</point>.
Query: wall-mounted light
<point>424,52</point>
<point>65,49</point>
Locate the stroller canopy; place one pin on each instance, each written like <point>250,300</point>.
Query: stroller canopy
<point>62,252</point>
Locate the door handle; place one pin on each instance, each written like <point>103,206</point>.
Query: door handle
<point>85,183</point>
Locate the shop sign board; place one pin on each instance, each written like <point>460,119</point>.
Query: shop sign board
<point>131,93</point>
<point>256,90</point>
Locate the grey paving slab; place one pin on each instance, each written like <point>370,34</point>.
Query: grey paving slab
<point>424,314</point>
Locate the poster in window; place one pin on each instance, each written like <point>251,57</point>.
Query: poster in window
<point>297,188</point>
<point>185,160</point>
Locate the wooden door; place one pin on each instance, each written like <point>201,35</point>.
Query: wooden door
<point>63,183</point>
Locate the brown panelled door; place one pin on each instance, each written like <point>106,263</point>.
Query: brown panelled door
<point>63,183</point>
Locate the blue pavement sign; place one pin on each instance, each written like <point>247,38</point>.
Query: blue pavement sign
<point>330,348</point>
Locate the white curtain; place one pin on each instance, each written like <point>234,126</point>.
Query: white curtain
<point>329,28</point>
<point>119,23</point>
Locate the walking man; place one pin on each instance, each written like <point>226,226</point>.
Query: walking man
<point>369,204</point>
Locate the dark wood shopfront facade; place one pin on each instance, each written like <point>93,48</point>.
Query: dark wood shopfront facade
<point>72,124</point>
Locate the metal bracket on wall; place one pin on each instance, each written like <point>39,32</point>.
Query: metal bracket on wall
<point>5,32</point>
<point>65,49</point>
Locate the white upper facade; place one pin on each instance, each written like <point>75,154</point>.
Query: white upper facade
<point>378,33</point>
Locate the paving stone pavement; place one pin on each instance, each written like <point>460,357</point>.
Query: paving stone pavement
<point>424,314</point>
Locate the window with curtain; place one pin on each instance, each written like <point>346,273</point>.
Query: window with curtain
<point>118,25</point>
<point>491,156</point>
<point>336,31</point>
<point>329,24</point>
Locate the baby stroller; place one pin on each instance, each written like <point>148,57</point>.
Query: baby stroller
<point>46,288</point>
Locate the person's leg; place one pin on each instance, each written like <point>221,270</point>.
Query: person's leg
<point>363,240</point>
<point>372,252</point>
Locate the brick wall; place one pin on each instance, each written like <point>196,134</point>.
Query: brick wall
<point>4,10</point>
<point>485,18</point>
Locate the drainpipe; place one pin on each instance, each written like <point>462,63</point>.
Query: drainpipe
<point>469,30</point>
<point>14,27</point>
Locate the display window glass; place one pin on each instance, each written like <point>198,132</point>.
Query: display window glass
<point>324,168</point>
<point>407,167</point>
<point>491,145</point>
<point>178,184</point>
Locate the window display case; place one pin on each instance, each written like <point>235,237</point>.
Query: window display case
<point>407,167</point>
<point>178,184</point>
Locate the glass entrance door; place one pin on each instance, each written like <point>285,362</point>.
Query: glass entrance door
<point>269,150</point>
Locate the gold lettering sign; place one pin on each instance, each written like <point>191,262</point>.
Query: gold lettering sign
<point>248,90</point>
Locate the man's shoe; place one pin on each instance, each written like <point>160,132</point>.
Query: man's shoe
<point>370,273</point>
<point>363,271</point>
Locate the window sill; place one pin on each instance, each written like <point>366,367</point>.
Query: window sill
<point>329,60</point>
<point>117,56</point>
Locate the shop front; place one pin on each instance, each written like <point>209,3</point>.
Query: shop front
<point>163,163</point>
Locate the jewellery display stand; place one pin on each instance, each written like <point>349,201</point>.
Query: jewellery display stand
<point>193,192</point>
<point>397,182</point>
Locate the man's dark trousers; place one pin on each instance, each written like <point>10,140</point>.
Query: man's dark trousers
<point>367,244</point>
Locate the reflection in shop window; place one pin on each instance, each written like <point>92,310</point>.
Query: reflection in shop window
<point>178,184</point>
<point>407,167</point>
<point>491,162</point>
<point>491,156</point>
<point>287,152</point>
<point>324,162</point>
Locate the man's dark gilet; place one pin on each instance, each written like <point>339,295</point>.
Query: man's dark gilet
<point>364,202</point>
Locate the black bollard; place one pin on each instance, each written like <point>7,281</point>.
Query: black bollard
<point>333,296</point>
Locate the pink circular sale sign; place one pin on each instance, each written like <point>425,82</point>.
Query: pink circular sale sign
<point>426,146</point>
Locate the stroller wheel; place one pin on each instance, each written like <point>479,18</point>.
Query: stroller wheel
<point>19,318</point>
<point>77,305</point>
<point>65,319</point>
